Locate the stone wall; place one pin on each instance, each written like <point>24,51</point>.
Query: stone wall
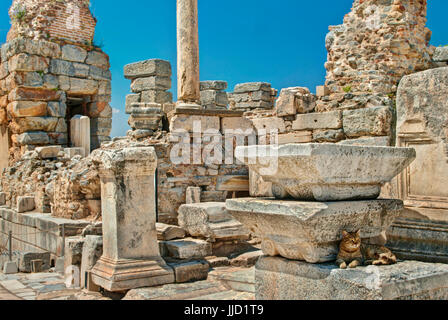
<point>52,20</point>
<point>50,71</point>
<point>378,43</point>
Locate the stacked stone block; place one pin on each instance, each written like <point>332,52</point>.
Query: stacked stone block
<point>440,56</point>
<point>35,80</point>
<point>253,95</point>
<point>213,96</point>
<point>150,81</point>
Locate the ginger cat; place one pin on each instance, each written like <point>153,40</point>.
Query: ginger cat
<point>352,253</point>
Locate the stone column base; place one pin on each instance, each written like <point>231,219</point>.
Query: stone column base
<point>281,279</point>
<point>130,274</point>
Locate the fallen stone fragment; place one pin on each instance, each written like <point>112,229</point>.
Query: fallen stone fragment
<point>25,204</point>
<point>168,232</point>
<point>190,271</point>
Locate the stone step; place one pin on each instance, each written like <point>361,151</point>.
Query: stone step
<point>237,279</point>
<point>176,291</point>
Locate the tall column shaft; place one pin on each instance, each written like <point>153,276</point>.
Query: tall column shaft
<point>188,86</point>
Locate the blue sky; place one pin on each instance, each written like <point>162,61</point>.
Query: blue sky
<point>281,42</point>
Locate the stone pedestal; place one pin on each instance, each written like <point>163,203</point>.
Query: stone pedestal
<point>131,257</point>
<point>281,279</point>
<point>188,54</point>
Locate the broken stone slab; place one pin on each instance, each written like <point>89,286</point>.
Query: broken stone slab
<point>247,259</point>
<point>211,221</point>
<point>92,250</point>
<point>326,172</point>
<point>213,85</point>
<point>131,256</point>
<point>190,271</point>
<point>166,232</point>
<point>72,152</point>
<point>311,231</point>
<point>440,54</point>
<point>25,259</point>
<point>25,204</point>
<point>2,198</point>
<point>147,68</point>
<point>252,86</point>
<point>281,279</point>
<point>187,248</point>
<point>48,152</point>
<point>193,195</point>
<point>216,262</point>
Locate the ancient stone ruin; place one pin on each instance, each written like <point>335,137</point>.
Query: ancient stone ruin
<point>234,195</point>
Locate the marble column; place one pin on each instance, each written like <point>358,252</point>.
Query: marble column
<point>131,257</point>
<point>188,83</point>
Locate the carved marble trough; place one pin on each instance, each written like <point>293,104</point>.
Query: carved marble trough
<point>346,180</point>
<point>311,231</point>
<point>326,172</point>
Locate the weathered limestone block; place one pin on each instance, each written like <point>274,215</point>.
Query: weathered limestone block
<point>236,125</point>
<point>295,137</point>
<point>188,85</point>
<point>312,121</point>
<point>25,204</point>
<point>211,221</point>
<point>92,250</point>
<point>80,133</point>
<point>21,109</point>
<point>441,54</point>
<point>187,248</point>
<point>83,87</point>
<point>131,257</point>
<point>368,141</point>
<point>156,96</point>
<point>62,67</point>
<point>73,53</point>
<point>145,122</point>
<point>311,231</point>
<point>258,187</point>
<point>190,271</point>
<point>2,198</point>
<point>72,259</point>
<point>48,152</point>
<point>33,138</point>
<point>26,62</point>
<point>322,91</point>
<point>147,68</point>
<point>212,97</point>
<point>328,135</point>
<point>56,109</point>
<point>269,124</point>
<point>151,83</point>
<point>213,85</point>
<point>421,233</point>
<point>252,86</point>
<point>280,279</point>
<point>98,59</point>
<point>376,121</point>
<point>25,259</point>
<point>189,123</point>
<point>166,232</point>
<point>295,100</point>
<point>193,195</point>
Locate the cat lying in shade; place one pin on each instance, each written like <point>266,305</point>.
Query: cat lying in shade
<point>352,253</point>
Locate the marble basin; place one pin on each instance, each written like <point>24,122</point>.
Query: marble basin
<point>326,172</point>
<point>312,231</point>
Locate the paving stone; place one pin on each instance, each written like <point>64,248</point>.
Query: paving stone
<point>187,248</point>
